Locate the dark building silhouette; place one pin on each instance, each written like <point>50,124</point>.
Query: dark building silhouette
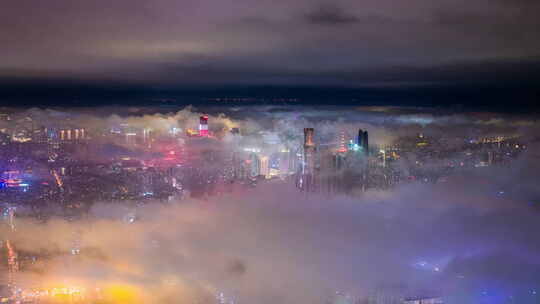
<point>363,141</point>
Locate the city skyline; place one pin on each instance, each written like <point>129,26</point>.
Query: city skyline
<point>197,205</point>
<point>269,152</point>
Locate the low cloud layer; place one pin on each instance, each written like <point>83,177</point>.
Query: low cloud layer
<point>276,244</point>
<point>470,238</point>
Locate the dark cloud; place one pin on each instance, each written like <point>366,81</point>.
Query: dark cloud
<point>330,15</point>
<point>268,42</point>
<point>511,26</point>
<point>526,4</point>
<point>236,268</point>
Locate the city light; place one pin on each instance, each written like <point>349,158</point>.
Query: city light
<point>159,209</point>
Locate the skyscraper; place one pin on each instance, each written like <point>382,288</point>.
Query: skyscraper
<point>264,166</point>
<point>203,126</point>
<point>255,165</point>
<point>308,137</point>
<point>342,144</point>
<point>363,141</point>
<point>306,178</point>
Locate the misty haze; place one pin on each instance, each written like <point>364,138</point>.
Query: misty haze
<point>269,205</point>
<point>269,152</point>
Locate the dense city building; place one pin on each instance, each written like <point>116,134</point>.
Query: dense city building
<point>51,170</point>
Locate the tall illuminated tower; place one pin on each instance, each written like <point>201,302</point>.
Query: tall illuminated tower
<point>308,137</point>
<point>342,144</point>
<point>203,126</point>
<point>306,180</point>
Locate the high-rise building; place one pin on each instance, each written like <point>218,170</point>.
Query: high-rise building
<point>306,176</point>
<point>264,166</point>
<point>308,137</point>
<point>255,165</point>
<point>203,126</point>
<point>146,135</point>
<point>363,141</point>
<point>69,134</point>
<point>342,144</point>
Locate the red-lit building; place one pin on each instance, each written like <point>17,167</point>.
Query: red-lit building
<point>203,126</point>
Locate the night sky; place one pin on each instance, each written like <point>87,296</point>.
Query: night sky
<point>478,49</point>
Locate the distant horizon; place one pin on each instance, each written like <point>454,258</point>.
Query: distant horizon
<point>506,98</point>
